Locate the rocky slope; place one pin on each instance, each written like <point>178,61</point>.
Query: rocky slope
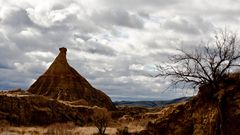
<point>63,82</point>
<point>202,115</point>
<point>21,108</point>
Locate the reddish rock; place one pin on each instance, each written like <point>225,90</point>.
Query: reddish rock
<point>28,109</point>
<point>63,82</point>
<point>219,115</point>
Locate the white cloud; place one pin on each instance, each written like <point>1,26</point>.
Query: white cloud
<point>39,54</point>
<point>136,67</point>
<point>30,33</point>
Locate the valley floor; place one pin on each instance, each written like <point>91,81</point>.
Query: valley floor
<point>66,129</point>
<point>54,131</point>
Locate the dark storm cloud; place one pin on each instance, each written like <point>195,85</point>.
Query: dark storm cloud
<point>118,17</point>
<point>8,54</point>
<point>192,25</point>
<point>4,66</point>
<point>15,81</point>
<point>97,48</point>
<point>73,22</point>
<point>82,36</point>
<point>17,17</point>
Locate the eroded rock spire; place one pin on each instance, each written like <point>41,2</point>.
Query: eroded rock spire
<point>61,81</point>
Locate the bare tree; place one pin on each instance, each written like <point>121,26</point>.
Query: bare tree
<point>101,118</point>
<point>209,65</point>
<point>206,65</point>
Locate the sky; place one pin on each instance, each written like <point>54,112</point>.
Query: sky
<point>114,44</point>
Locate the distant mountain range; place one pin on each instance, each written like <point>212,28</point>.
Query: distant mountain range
<point>150,104</point>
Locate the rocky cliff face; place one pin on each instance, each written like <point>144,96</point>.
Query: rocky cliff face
<point>28,109</point>
<point>63,82</point>
<point>219,115</point>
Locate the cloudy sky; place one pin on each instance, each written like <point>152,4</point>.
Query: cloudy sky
<point>115,44</point>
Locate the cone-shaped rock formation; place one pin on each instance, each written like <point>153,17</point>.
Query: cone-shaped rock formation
<point>62,82</point>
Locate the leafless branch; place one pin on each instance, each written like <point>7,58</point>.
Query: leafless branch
<point>207,64</point>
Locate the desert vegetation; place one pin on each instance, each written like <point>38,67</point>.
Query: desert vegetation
<point>101,118</point>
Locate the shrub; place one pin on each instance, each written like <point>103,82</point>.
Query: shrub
<point>101,118</point>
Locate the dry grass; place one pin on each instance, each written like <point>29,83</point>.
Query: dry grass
<point>134,123</point>
<point>54,129</point>
<point>67,129</point>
